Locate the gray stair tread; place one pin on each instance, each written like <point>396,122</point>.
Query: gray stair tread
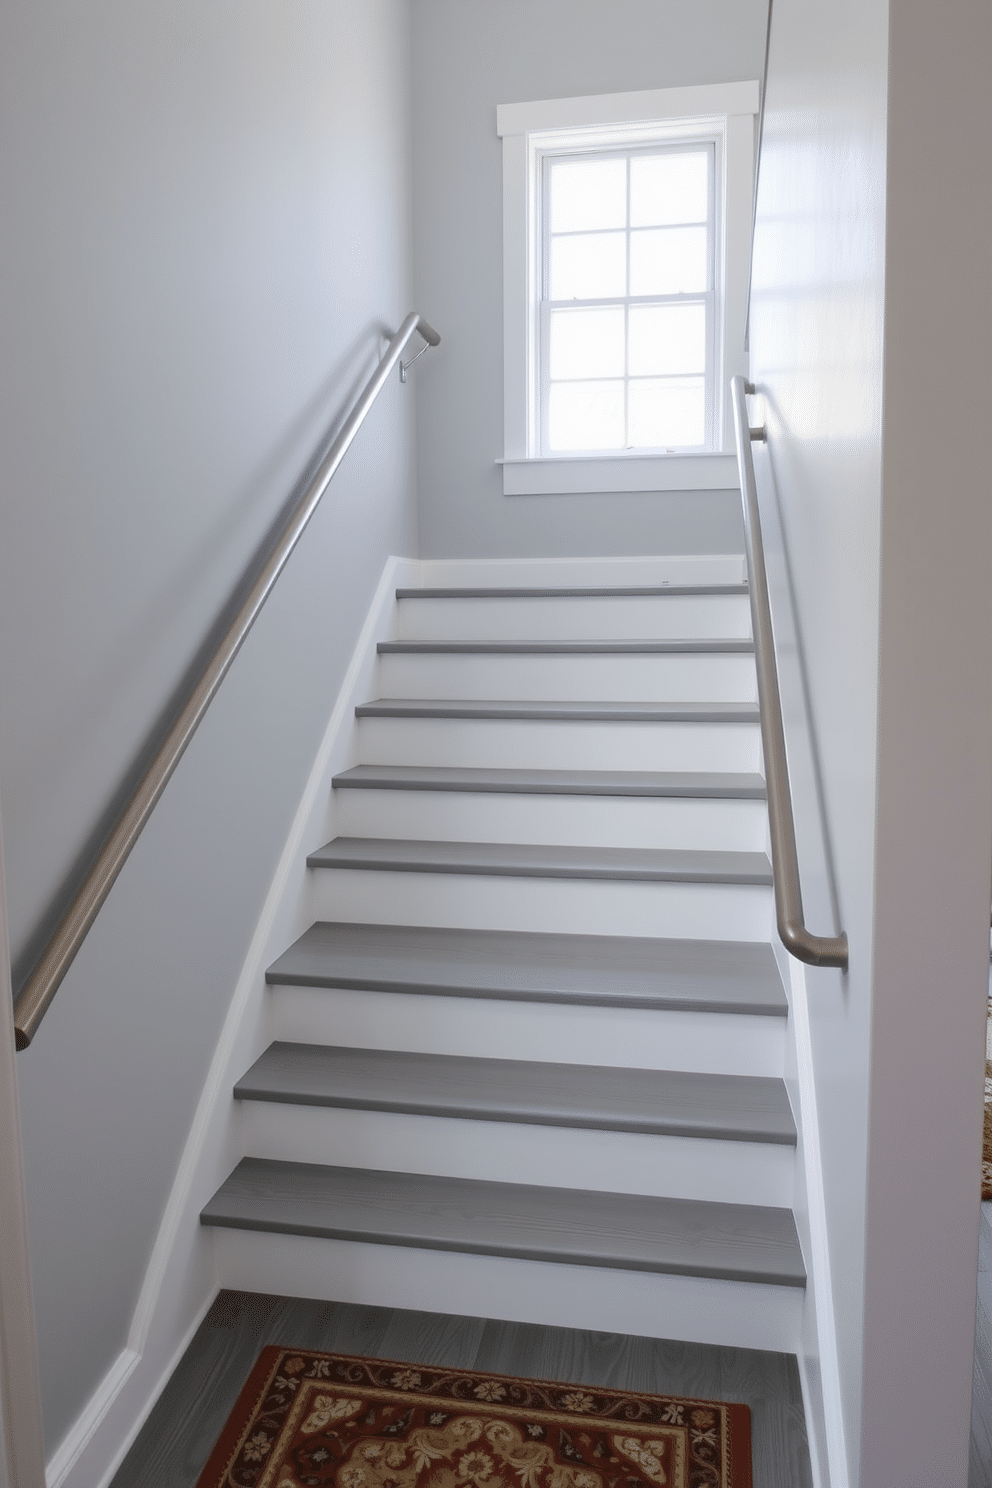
<point>625,591</point>
<point>539,710</point>
<point>698,786</point>
<point>525,860</point>
<point>566,648</point>
<point>658,1102</point>
<point>735,1242</point>
<point>533,966</point>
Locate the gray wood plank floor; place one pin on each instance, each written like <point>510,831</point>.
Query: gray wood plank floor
<point>176,1440</point>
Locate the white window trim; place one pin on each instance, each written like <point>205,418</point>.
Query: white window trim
<point>724,112</point>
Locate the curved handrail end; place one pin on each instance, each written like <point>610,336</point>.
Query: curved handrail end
<point>814,950</point>
<point>428,332</point>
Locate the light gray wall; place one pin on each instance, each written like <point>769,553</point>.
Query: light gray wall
<point>205,226</point>
<point>868,277</point>
<point>468,57</point>
<point>934,793</point>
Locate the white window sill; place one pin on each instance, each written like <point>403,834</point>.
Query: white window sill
<point>586,474</point>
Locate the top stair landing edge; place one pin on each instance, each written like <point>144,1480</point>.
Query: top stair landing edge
<point>619,591</point>
<point>604,613</point>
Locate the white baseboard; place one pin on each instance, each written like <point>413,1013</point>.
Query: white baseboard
<point>181,1279</point>
<point>819,1365</point>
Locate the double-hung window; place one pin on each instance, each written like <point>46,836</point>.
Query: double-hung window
<point>627,316</point>
<point>626,235</point>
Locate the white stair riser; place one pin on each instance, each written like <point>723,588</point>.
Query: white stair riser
<point>591,821</point>
<point>736,1314</point>
<point>519,744</point>
<point>561,906</point>
<point>635,1038</point>
<point>570,573</point>
<point>681,678</point>
<point>607,1161</point>
<point>717,617</point>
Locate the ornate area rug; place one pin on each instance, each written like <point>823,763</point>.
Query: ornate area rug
<point>307,1420</point>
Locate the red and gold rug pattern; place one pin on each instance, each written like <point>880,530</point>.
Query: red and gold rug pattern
<point>308,1420</point>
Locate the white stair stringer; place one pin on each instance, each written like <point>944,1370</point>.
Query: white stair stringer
<point>633,951</point>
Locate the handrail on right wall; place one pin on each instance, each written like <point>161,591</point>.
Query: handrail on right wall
<point>816,950</point>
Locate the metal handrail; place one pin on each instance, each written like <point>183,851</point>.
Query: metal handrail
<point>817,950</point>
<point>36,993</point>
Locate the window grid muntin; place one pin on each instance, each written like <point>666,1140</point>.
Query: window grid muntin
<point>707,298</point>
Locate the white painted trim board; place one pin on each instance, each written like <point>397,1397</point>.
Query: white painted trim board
<point>819,1363</point>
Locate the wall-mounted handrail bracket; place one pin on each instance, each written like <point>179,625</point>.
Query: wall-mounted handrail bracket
<point>816,950</point>
<point>405,366</point>
<point>33,997</point>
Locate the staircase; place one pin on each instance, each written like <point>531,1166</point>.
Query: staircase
<point>528,1060</point>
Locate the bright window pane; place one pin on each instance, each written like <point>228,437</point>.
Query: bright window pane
<point>585,416</point>
<point>667,414</point>
<point>667,339</point>
<point>587,343</point>
<point>587,195</point>
<point>591,266</point>
<point>668,260</point>
<point>669,189</point>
